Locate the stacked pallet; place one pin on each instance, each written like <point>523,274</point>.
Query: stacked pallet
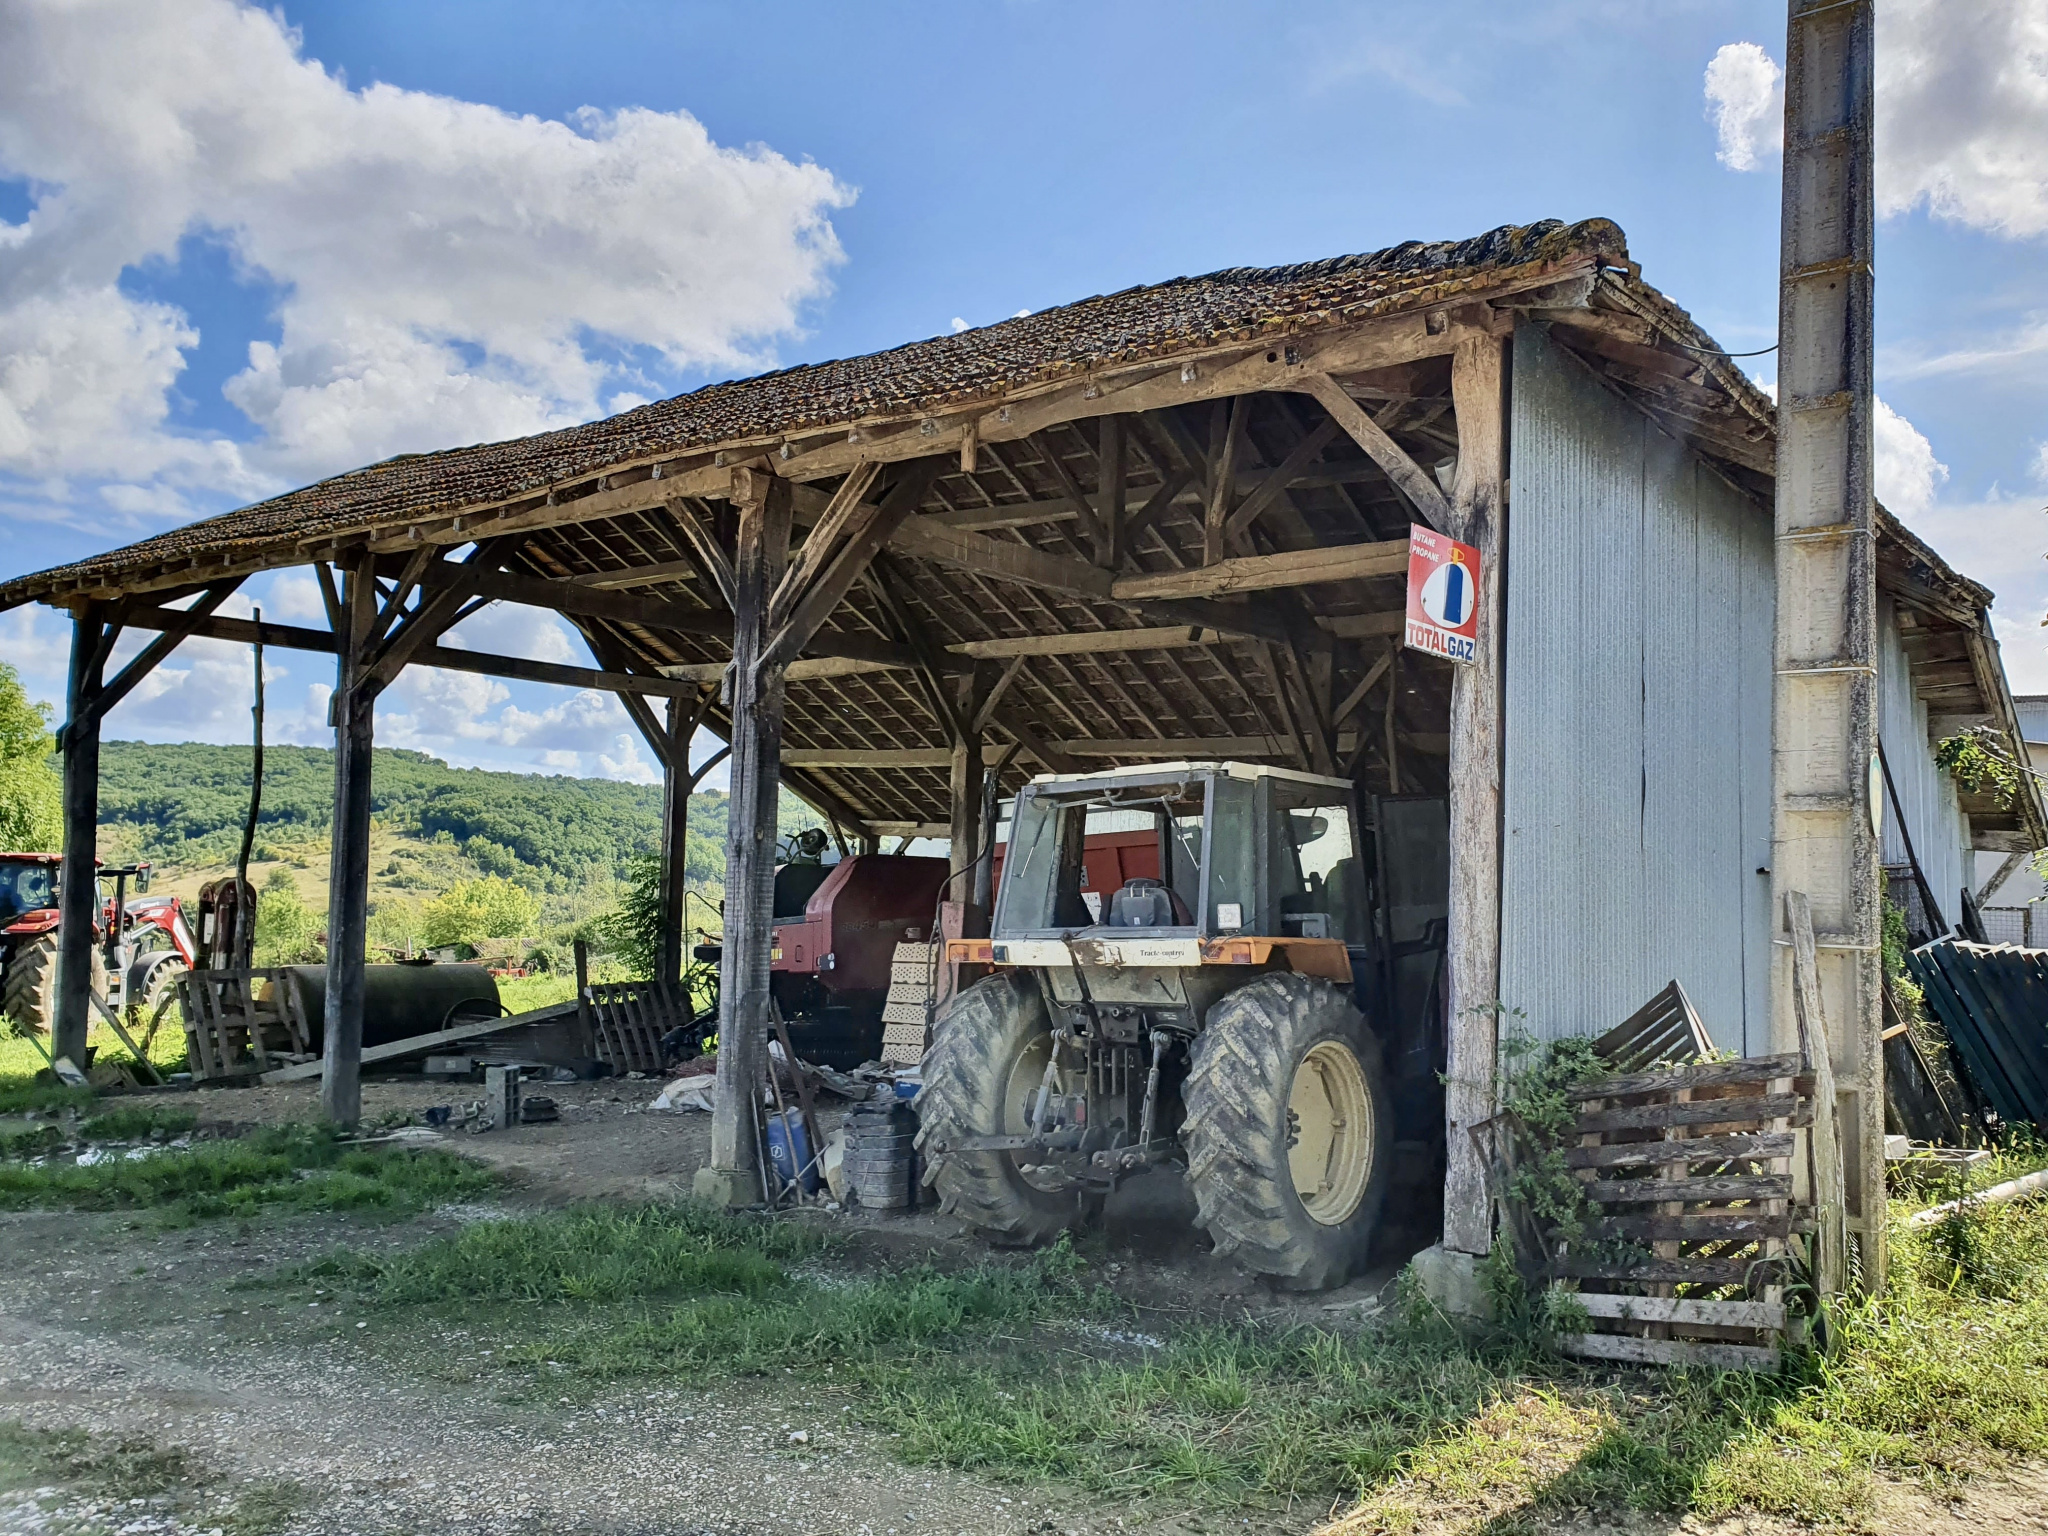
<point>242,1023</point>
<point>627,1020</point>
<point>1690,1171</point>
<point>905,1026</point>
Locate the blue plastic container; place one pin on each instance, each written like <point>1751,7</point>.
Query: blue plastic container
<point>789,1149</point>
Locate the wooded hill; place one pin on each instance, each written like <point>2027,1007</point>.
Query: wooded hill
<point>184,806</point>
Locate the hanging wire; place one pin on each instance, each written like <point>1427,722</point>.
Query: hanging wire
<point>1717,352</point>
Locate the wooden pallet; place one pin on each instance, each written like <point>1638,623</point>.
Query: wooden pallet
<point>1693,1167</point>
<point>627,1021</point>
<point>904,1033</point>
<point>243,1023</point>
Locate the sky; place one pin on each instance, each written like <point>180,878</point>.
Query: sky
<point>245,248</point>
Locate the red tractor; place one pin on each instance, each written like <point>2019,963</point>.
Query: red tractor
<point>135,962</point>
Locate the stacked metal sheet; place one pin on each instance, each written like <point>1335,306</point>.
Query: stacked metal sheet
<point>1992,999</point>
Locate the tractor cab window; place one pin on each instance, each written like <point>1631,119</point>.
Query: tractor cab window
<point>26,887</point>
<point>1313,864</point>
<point>1128,857</point>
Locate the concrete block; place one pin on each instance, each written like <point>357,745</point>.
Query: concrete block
<point>1453,1281</point>
<point>726,1187</point>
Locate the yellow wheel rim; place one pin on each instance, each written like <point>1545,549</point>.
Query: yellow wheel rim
<point>1330,1131</point>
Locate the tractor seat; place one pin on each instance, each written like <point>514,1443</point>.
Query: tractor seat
<point>710,954</point>
<point>1141,903</point>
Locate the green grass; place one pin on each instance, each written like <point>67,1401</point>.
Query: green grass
<point>289,1168</point>
<point>122,1469</point>
<point>138,1122</point>
<point>1015,1370</point>
<point>20,1093</point>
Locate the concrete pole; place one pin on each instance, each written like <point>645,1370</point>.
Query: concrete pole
<point>348,858</point>
<point>78,900</point>
<point>733,1178</point>
<point>1824,767</point>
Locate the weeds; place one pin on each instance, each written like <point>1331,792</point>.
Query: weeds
<point>282,1168</point>
<point>138,1122</point>
<point>122,1469</point>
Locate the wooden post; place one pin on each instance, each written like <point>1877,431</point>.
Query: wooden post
<point>348,879</point>
<point>1478,515</point>
<point>675,830</point>
<point>585,1025</point>
<point>733,1176</point>
<point>1824,763</point>
<point>78,902</point>
<point>965,820</point>
<point>1109,512</point>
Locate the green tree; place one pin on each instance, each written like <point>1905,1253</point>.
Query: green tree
<point>632,929</point>
<point>31,794</point>
<point>488,908</point>
<point>287,931</point>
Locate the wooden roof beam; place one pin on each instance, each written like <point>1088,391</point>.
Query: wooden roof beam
<point>1414,483</point>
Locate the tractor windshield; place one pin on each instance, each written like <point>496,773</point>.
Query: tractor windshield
<point>26,885</point>
<point>1123,856</point>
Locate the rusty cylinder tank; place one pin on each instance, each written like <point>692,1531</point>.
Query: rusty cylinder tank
<point>400,1001</point>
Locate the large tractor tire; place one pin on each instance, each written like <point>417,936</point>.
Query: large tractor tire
<point>986,1061</point>
<point>29,995</point>
<point>1289,1133</point>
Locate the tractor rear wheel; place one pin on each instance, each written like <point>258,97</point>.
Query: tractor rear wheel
<point>28,994</point>
<point>29,999</point>
<point>1288,1132</point>
<point>987,1060</point>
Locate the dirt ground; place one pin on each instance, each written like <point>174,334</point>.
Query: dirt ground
<point>299,1416</point>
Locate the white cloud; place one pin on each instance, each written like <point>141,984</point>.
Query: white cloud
<point>959,325</point>
<point>1998,541</point>
<point>507,629</point>
<point>1906,470</point>
<point>449,271</point>
<point>2040,467</point>
<point>1962,111</point>
<point>628,763</point>
<point>1746,99</point>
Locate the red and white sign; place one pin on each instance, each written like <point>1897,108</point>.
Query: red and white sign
<point>1443,595</point>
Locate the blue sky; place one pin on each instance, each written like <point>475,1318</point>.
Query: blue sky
<point>429,223</point>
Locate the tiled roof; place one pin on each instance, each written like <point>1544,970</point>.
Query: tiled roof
<point>1240,303</point>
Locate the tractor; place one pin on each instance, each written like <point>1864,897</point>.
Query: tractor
<point>136,962</point>
<point>1205,1017</point>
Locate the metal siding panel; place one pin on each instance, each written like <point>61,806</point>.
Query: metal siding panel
<point>1927,796</point>
<point>1754,665</point>
<point>1629,753</point>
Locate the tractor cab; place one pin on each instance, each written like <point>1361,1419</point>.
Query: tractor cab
<point>1209,852</point>
<point>28,885</point>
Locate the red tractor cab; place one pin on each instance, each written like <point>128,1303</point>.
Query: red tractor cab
<point>136,959</point>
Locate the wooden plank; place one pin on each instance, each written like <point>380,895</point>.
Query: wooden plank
<point>394,1049</point>
<point>869,758</point>
<point>1739,1147</point>
<point>1699,1227</point>
<point>1824,1145</point>
<point>1683,1309</point>
<point>1261,573</point>
<point>1704,1272</point>
<point>1097,642</point>
<point>813,606</point>
<point>1629,1350</point>
<point>574,597</point>
<point>1631,1117</point>
<point>1748,1186</point>
<point>1704,1074</point>
<point>1363,626</point>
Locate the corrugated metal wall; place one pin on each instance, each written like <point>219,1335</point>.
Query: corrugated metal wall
<point>1927,796</point>
<point>1636,793</point>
